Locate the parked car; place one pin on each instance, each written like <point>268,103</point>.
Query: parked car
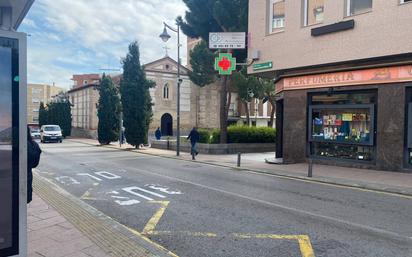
<point>51,133</point>
<point>35,133</point>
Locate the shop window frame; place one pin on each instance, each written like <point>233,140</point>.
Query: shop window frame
<point>408,127</point>
<point>370,107</point>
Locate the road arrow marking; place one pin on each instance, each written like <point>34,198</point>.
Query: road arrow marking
<point>151,225</point>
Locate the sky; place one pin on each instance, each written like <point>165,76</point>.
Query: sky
<point>86,36</point>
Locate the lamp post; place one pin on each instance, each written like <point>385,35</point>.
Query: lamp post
<point>165,37</point>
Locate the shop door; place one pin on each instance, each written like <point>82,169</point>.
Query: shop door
<point>279,129</point>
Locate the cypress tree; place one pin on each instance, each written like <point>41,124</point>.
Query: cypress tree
<point>108,111</point>
<point>42,115</point>
<point>135,96</point>
<point>59,113</point>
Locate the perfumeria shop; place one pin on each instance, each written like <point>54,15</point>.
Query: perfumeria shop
<point>360,118</point>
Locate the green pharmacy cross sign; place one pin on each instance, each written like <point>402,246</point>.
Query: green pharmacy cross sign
<point>225,64</point>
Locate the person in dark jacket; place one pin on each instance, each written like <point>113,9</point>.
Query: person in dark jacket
<point>194,137</point>
<point>33,159</point>
<point>158,134</point>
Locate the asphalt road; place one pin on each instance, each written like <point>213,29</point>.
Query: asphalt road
<point>199,210</point>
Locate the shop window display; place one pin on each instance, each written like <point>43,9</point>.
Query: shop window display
<point>347,126</point>
<point>342,131</point>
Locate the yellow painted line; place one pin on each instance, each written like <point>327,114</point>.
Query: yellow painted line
<point>151,242</point>
<point>86,195</point>
<point>151,225</point>
<point>305,245</point>
<point>187,233</point>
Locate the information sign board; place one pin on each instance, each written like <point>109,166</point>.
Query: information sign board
<point>227,40</point>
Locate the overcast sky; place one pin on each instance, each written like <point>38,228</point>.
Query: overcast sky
<point>84,36</point>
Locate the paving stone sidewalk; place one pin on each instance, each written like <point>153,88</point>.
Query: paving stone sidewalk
<point>392,182</point>
<point>51,235</point>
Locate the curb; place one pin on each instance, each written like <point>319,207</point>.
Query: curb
<point>112,237</point>
<point>322,180</point>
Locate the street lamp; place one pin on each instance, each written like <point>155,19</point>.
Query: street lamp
<point>165,37</point>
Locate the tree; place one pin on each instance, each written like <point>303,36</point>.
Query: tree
<point>247,87</point>
<point>135,96</point>
<point>268,95</point>
<point>206,16</point>
<point>108,111</point>
<point>42,115</point>
<point>59,113</point>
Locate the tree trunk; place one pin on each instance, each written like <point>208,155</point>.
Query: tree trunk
<point>246,104</point>
<point>272,113</point>
<point>223,109</point>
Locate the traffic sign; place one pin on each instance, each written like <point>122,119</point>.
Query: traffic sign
<point>225,64</point>
<point>227,40</point>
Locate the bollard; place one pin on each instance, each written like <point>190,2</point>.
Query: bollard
<point>239,157</point>
<point>310,168</point>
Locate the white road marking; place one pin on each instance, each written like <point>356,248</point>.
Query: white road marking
<point>130,190</point>
<point>67,180</point>
<point>126,203</point>
<point>163,189</point>
<point>89,175</point>
<point>107,175</point>
<point>149,192</point>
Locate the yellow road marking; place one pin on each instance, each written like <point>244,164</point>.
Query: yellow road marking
<point>305,246</point>
<point>304,241</point>
<point>151,225</point>
<point>86,195</point>
<point>150,241</point>
<point>187,233</point>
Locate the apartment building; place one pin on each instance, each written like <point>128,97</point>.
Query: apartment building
<point>343,74</point>
<point>36,94</point>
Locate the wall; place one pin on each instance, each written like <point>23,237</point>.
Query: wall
<point>384,31</point>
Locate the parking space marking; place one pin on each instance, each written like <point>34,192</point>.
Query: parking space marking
<point>107,175</point>
<point>151,225</point>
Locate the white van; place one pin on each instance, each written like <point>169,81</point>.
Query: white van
<point>51,133</point>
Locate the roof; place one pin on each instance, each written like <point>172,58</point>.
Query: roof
<point>166,58</point>
<point>20,8</point>
<point>81,88</point>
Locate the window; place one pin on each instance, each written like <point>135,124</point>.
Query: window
<point>35,119</point>
<point>277,15</point>
<point>35,100</point>
<point>313,11</point>
<point>85,82</point>
<point>166,91</point>
<point>358,6</point>
<point>35,110</point>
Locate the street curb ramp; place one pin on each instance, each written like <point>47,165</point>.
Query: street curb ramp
<point>112,237</point>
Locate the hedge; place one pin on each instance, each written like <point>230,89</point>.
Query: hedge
<point>239,134</point>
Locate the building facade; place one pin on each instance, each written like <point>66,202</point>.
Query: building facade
<point>343,74</point>
<point>36,94</point>
<point>84,97</point>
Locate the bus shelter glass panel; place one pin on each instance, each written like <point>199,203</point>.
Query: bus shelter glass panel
<point>9,148</point>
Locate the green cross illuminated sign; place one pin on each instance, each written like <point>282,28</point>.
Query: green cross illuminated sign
<point>225,64</point>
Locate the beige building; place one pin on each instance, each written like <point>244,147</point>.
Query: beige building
<point>84,97</point>
<point>343,74</point>
<point>36,94</point>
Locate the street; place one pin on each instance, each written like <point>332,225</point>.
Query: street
<point>196,209</point>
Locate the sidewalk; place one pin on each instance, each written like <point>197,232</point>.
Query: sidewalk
<point>51,235</point>
<point>393,182</point>
<point>60,225</point>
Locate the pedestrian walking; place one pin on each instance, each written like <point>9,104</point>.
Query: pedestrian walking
<point>158,134</point>
<point>194,138</point>
<point>33,159</point>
